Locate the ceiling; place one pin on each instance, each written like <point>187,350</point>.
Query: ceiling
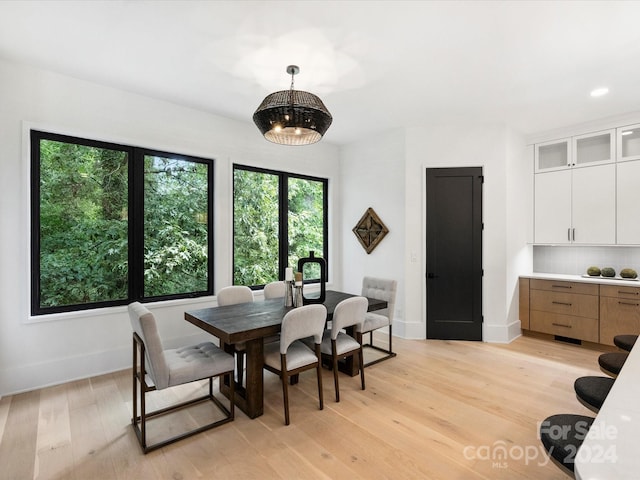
<point>377,65</point>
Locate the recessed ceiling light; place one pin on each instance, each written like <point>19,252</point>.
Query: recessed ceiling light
<point>598,92</point>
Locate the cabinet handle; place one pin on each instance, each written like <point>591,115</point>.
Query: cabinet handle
<point>562,303</point>
<point>568,234</point>
<point>627,293</point>
<point>561,325</point>
<point>573,234</point>
<point>561,286</point>
<point>627,303</point>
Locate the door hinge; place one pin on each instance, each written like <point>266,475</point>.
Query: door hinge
<point>482,272</point>
<point>481,177</point>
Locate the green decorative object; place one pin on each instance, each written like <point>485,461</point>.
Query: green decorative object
<point>608,272</point>
<point>628,273</point>
<point>593,271</point>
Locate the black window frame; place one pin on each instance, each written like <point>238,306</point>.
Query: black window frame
<point>283,219</point>
<point>135,158</point>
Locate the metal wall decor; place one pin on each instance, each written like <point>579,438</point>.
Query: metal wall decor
<point>370,230</point>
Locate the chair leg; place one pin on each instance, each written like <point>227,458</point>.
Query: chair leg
<point>285,387</point>
<point>361,358</point>
<point>319,374</point>
<point>335,369</point>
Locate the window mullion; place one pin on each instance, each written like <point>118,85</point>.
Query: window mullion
<point>283,221</point>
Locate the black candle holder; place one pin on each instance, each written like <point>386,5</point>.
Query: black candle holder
<point>323,277</point>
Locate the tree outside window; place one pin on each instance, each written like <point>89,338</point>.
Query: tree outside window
<point>113,223</point>
<point>278,218</point>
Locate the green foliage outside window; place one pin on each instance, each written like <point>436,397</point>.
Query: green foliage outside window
<point>84,225</point>
<point>257,245</point>
<point>175,226</point>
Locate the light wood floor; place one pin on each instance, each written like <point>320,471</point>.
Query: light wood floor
<point>439,410</point>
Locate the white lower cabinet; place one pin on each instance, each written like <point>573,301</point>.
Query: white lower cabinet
<point>576,206</point>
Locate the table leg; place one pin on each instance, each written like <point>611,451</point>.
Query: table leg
<point>249,399</point>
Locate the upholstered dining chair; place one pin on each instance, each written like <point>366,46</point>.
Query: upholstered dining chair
<point>290,356</point>
<point>337,344</point>
<point>233,295</point>
<point>274,290</point>
<point>155,368</point>
<point>381,289</point>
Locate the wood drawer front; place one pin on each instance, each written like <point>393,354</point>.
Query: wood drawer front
<point>564,303</point>
<point>568,287</point>
<point>523,302</point>
<point>565,326</point>
<point>619,291</point>
<point>618,316</point>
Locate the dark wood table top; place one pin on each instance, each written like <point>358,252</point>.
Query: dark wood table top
<point>248,321</point>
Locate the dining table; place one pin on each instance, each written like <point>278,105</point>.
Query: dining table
<point>250,323</point>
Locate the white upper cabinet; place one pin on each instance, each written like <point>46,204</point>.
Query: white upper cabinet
<point>628,143</point>
<point>576,206</point>
<point>594,148</point>
<point>555,155</point>
<point>579,151</point>
<point>552,207</point>
<point>593,201</point>
<point>628,214</point>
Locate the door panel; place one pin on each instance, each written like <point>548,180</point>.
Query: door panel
<point>454,253</point>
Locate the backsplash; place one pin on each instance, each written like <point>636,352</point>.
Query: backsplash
<point>574,260</point>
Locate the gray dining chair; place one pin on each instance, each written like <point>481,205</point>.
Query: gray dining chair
<point>290,356</point>
<point>274,290</point>
<point>592,391</point>
<point>337,344</point>
<point>232,295</point>
<point>156,368</point>
<point>380,289</point>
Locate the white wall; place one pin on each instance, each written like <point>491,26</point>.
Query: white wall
<point>372,172</point>
<point>38,352</point>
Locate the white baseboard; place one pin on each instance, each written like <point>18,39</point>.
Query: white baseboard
<point>501,333</point>
<point>33,376</point>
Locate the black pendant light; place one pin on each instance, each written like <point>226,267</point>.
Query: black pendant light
<point>292,117</point>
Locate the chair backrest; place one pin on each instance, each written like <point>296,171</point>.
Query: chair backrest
<point>347,313</point>
<point>302,322</point>
<point>274,290</point>
<point>234,294</point>
<point>381,289</point>
<point>144,324</point>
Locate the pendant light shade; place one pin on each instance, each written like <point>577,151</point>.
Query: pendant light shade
<point>292,117</point>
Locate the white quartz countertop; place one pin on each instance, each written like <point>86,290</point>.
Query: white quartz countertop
<point>579,278</point>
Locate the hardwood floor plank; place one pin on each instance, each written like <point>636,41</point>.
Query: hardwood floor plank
<point>439,410</point>
<point>18,447</point>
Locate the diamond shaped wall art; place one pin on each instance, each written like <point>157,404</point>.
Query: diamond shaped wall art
<point>370,230</point>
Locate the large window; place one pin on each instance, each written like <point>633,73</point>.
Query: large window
<point>278,218</point>
<point>112,224</point>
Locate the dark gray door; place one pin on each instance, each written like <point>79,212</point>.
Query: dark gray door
<point>454,253</point>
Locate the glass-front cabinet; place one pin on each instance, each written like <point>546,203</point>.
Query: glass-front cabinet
<point>594,148</point>
<point>628,143</point>
<point>580,151</point>
<point>554,155</point>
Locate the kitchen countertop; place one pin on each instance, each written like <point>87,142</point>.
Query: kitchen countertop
<point>579,278</point>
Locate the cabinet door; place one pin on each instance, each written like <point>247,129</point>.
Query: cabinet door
<point>552,207</point>
<point>593,149</point>
<point>628,141</point>
<point>555,155</point>
<point>628,214</point>
<point>593,205</point>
